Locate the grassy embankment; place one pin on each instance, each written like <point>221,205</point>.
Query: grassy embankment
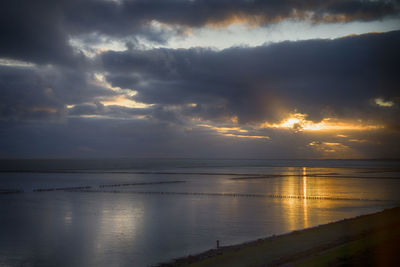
<point>368,240</point>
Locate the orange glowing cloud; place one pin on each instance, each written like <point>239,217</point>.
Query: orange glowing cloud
<point>244,19</point>
<point>298,122</point>
<point>233,132</point>
<point>124,102</point>
<point>333,150</point>
<point>224,129</point>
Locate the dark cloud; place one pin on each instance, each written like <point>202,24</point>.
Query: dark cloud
<point>131,15</point>
<point>322,78</point>
<point>30,93</point>
<point>39,31</point>
<point>124,138</point>
<point>336,78</point>
<point>100,137</point>
<point>112,111</point>
<point>79,137</point>
<point>33,31</point>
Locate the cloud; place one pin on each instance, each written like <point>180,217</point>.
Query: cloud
<point>99,110</point>
<point>337,78</point>
<point>33,31</point>
<point>34,93</point>
<point>130,138</point>
<point>202,12</point>
<point>87,137</point>
<point>54,103</point>
<point>40,31</point>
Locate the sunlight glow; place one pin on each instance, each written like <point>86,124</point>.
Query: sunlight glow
<point>298,123</point>
<point>123,99</point>
<point>124,102</point>
<point>233,132</point>
<point>247,136</point>
<point>305,195</point>
<point>333,150</point>
<point>224,129</point>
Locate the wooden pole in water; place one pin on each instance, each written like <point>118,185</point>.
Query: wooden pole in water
<point>217,243</point>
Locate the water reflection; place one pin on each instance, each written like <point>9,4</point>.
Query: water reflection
<point>305,206</point>
<point>126,229</point>
<point>117,224</point>
<point>300,188</point>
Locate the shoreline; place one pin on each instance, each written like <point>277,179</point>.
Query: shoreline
<point>365,239</point>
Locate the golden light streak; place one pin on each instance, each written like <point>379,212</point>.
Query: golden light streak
<point>305,204</point>
<point>329,147</point>
<point>124,102</point>
<point>223,129</point>
<point>331,144</point>
<point>242,19</point>
<point>334,150</point>
<point>122,99</point>
<point>254,20</point>
<point>233,132</point>
<point>247,136</point>
<point>298,123</point>
<point>358,140</point>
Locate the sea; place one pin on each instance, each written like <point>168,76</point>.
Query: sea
<point>143,212</point>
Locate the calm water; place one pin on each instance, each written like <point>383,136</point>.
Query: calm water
<point>142,212</point>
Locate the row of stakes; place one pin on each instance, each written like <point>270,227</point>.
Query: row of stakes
<point>15,191</point>
<point>89,189</point>
<point>228,195</point>
<point>11,191</point>
<point>146,183</point>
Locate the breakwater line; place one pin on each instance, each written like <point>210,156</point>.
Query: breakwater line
<point>233,195</point>
<point>100,186</point>
<point>144,183</point>
<point>62,189</point>
<point>10,191</point>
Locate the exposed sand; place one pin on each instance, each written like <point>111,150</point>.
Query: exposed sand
<point>368,240</point>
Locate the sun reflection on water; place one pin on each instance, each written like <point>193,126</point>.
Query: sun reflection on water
<point>305,206</point>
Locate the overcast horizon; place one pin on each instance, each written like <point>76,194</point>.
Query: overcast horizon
<point>200,79</point>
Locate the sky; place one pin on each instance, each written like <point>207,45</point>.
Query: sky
<point>277,79</point>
